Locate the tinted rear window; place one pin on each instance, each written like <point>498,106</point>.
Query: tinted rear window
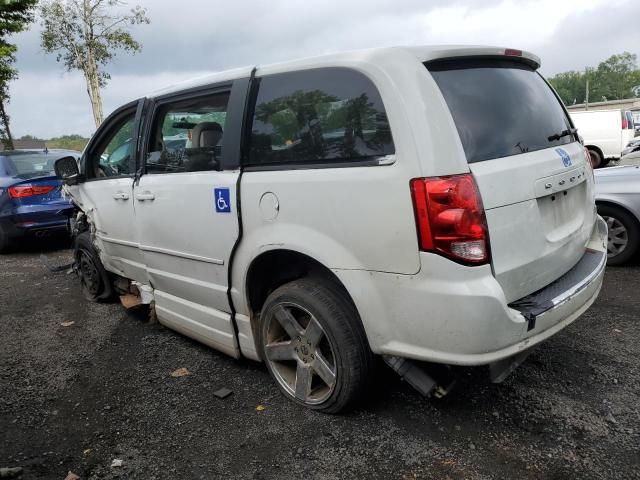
<point>318,116</point>
<point>500,107</point>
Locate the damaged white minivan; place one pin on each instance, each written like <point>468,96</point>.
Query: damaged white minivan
<point>429,205</point>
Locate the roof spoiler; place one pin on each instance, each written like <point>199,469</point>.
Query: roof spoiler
<point>453,52</point>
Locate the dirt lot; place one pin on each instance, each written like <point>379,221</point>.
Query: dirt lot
<point>74,398</point>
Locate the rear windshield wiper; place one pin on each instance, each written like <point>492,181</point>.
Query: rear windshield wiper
<point>564,133</point>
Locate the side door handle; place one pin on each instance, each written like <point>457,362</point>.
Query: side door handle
<point>144,196</point>
<point>121,196</point>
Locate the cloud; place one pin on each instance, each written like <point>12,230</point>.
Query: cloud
<point>188,38</point>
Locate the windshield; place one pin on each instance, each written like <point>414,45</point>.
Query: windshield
<point>500,107</point>
<point>30,165</point>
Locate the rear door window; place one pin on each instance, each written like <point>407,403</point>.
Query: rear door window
<point>318,116</point>
<point>500,107</point>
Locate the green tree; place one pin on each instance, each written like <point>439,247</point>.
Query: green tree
<point>69,142</point>
<point>613,79</point>
<point>15,16</point>
<point>571,86</point>
<point>29,137</point>
<point>86,35</point>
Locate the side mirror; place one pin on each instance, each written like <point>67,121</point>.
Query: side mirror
<point>66,169</point>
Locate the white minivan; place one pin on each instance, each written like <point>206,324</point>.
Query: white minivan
<point>605,133</point>
<point>423,204</point>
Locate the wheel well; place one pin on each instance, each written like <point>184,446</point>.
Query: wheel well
<point>596,149</point>
<point>275,268</point>
<point>619,207</point>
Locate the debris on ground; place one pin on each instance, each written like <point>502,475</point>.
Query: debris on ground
<point>160,427</point>
<point>67,324</point>
<point>151,315</point>
<point>222,393</point>
<point>55,268</point>
<point>260,408</point>
<point>72,476</point>
<point>130,300</point>
<point>10,472</point>
<point>116,463</point>
<point>180,372</point>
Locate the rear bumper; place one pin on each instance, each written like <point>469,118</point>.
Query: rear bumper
<point>31,219</point>
<point>458,315</point>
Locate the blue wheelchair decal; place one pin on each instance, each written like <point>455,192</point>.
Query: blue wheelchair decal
<point>222,200</point>
<point>566,159</point>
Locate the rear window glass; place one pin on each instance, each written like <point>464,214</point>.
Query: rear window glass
<point>318,116</point>
<point>31,165</point>
<point>500,107</point>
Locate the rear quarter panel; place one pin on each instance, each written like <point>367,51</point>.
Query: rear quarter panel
<point>357,218</point>
<point>621,188</point>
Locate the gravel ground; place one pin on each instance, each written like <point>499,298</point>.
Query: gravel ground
<point>76,397</point>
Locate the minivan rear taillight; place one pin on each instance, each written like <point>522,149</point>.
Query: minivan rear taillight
<point>450,218</point>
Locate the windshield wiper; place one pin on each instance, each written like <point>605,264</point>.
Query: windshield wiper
<point>563,133</point>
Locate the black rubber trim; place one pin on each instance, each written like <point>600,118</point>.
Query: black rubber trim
<point>249,98</point>
<point>537,303</point>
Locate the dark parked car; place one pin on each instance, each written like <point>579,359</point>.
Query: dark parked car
<point>31,201</point>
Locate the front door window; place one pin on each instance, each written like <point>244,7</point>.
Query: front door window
<point>112,156</point>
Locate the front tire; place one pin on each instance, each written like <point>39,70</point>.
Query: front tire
<point>314,346</point>
<point>94,279</point>
<point>596,159</point>
<point>623,237</point>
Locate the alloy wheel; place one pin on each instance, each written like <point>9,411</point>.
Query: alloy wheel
<point>300,354</point>
<point>617,237</point>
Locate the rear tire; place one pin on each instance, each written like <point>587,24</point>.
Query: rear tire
<point>314,346</point>
<point>95,281</point>
<point>623,237</point>
<point>5,242</point>
<point>596,159</point>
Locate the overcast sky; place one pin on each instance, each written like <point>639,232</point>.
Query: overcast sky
<point>192,37</point>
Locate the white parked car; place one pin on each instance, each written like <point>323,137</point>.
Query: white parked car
<point>605,133</point>
<point>423,204</point>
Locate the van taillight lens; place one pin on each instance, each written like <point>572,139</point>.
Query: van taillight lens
<point>625,122</point>
<point>21,191</point>
<point>450,218</point>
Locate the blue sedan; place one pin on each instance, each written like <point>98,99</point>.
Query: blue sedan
<point>30,195</point>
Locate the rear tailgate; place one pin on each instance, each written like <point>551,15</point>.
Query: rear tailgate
<point>536,186</point>
<point>540,216</point>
